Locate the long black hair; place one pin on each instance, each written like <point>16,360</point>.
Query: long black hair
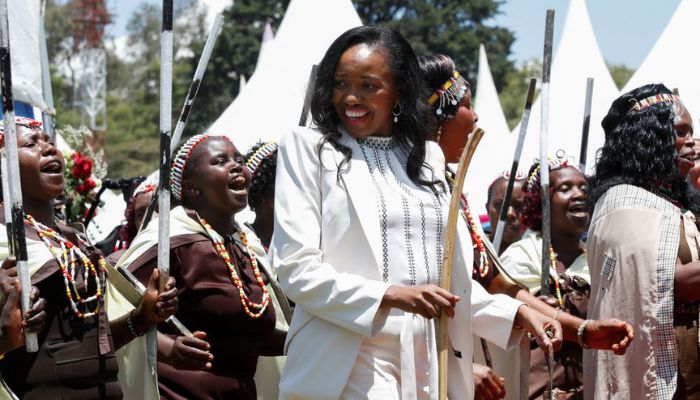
<point>436,70</point>
<point>411,130</point>
<point>640,149</point>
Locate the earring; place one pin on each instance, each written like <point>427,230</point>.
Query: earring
<point>439,133</point>
<point>396,113</point>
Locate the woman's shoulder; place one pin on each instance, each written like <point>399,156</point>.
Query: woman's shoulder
<point>631,197</point>
<point>523,251</point>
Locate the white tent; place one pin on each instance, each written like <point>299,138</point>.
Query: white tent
<point>24,18</point>
<point>267,39</point>
<point>496,147</point>
<point>271,103</point>
<point>673,60</point>
<point>577,58</point>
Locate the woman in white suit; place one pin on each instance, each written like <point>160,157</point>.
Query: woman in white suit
<point>361,208</point>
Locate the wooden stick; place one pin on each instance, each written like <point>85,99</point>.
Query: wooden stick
<point>544,150</point>
<point>166,86</point>
<point>12,187</point>
<point>196,81</point>
<point>450,237</point>
<point>524,121</point>
<point>586,125</point>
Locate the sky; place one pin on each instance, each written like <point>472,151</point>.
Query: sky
<point>626,29</point>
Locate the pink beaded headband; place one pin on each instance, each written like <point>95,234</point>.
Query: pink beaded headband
<point>655,99</point>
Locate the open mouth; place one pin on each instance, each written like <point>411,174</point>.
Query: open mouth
<point>237,183</point>
<point>579,210</point>
<point>52,167</point>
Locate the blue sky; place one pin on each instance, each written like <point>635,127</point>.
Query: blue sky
<point>626,29</point>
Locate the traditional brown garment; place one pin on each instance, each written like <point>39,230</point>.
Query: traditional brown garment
<point>209,302</point>
<point>76,357</point>
<point>685,322</point>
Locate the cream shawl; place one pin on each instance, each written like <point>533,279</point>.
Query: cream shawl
<point>632,248</point>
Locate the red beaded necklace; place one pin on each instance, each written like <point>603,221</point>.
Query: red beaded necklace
<point>66,257</point>
<point>223,252</point>
<point>483,265</point>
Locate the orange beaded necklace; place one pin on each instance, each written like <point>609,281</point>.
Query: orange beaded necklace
<point>67,257</point>
<point>483,266</point>
<point>221,250</point>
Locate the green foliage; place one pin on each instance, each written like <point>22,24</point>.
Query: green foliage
<point>515,90</point>
<point>620,74</point>
<point>451,27</point>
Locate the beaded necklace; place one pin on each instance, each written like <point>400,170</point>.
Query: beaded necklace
<point>223,252</point>
<point>553,264</point>
<point>483,263</point>
<point>66,257</point>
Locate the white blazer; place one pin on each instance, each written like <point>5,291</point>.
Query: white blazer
<point>326,249</point>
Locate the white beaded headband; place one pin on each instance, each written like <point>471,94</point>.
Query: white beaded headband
<point>253,162</point>
<point>180,161</point>
<point>558,162</point>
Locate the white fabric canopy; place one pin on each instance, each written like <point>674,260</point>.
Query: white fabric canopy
<point>495,150</point>
<point>674,58</point>
<point>577,58</point>
<point>24,18</point>
<point>271,103</point>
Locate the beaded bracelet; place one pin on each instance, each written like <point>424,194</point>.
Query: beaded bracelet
<point>131,326</point>
<point>580,331</point>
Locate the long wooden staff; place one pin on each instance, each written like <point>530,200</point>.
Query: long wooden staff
<point>448,253</point>
<point>187,107</point>
<point>13,195</point>
<point>166,89</point>
<point>544,150</point>
<point>586,125</point>
<point>196,81</point>
<point>524,121</point>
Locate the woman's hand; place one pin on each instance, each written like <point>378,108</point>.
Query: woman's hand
<point>425,300</point>
<point>190,353</point>
<point>12,325</point>
<point>609,334</point>
<point>487,385</point>
<point>540,327</point>
<point>156,307</point>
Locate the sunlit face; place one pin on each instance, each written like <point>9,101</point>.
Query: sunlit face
<point>684,143</point>
<point>569,211</point>
<point>219,178</point>
<point>456,130</point>
<point>512,230</point>
<point>364,91</point>
<point>41,165</point>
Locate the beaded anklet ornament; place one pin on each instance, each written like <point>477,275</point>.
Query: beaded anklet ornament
<point>483,263</point>
<point>67,257</point>
<point>220,248</point>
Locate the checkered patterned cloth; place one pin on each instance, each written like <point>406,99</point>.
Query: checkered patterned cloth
<point>664,338</point>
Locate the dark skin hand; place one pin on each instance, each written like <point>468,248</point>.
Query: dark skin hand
<point>154,308</point>
<point>12,324</point>
<point>425,300</point>
<point>185,353</point>
<point>685,280</point>
<point>487,385</point>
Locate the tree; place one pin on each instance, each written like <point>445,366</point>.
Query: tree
<point>620,74</point>
<point>452,27</point>
<point>234,56</point>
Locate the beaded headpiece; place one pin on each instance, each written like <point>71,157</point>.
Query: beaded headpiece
<point>180,161</point>
<point>558,162</point>
<point>655,99</point>
<point>519,175</point>
<point>147,185</point>
<point>265,151</point>
<point>449,94</point>
<point>19,121</point>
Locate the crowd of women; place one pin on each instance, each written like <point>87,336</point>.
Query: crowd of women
<point>341,269</point>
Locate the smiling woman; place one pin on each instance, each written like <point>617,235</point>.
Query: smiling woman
<point>222,283</point>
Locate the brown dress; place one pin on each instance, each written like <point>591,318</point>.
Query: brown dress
<point>76,357</point>
<point>209,302</point>
<point>685,322</point>
<point>568,362</point>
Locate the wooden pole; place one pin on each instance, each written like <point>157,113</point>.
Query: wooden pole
<point>12,187</point>
<point>450,238</point>
<point>586,125</point>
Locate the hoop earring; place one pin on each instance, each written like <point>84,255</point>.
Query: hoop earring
<point>396,113</point>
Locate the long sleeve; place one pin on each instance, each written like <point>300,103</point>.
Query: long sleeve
<point>348,300</point>
<point>493,316</point>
